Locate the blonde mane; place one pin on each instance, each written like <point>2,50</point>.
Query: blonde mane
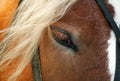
<point>23,36</point>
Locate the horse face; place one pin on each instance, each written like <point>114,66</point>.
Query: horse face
<point>75,47</point>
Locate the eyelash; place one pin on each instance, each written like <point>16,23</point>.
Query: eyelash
<point>63,37</point>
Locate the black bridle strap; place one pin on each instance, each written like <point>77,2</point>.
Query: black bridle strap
<point>37,76</point>
<point>117,73</point>
<point>116,30</point>
<point>20,1</point>
<point>109,18</point>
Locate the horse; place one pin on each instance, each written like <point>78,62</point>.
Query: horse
<point>72,39</point>
<point>6,13</point>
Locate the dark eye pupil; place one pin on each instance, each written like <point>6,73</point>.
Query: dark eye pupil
<point>63,37</point>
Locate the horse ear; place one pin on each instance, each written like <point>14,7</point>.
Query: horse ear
<point>7,9</point>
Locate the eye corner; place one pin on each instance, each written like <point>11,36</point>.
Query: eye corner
<point>75,48</point>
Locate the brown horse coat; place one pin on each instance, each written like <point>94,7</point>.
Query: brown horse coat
<point>90,31</point>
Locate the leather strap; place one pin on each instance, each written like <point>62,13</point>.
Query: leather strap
<point>110,19</point>
<point>116,30</point>
<point>20,1</point>
<point>36,67</point>
<point>117,74</point>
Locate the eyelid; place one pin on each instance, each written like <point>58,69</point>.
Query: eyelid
<point>61,30</point>
<point>68,35</point>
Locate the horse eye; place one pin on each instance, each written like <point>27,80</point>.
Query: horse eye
<point>63,37</point>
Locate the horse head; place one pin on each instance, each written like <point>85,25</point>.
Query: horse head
<point>73,38</point>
